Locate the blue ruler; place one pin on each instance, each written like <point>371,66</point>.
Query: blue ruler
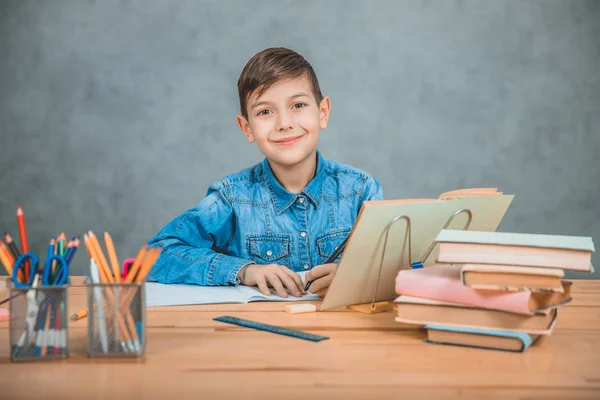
<point>270,328</point>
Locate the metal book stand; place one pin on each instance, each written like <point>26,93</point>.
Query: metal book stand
<point>382,306</point>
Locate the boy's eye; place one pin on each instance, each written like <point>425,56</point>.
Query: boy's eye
<point>263,112</point>
<point>299,105</point>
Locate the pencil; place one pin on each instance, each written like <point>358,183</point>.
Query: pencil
<point>61,244</point>
<point>100,256</point>
<point>10,243</point>
<point>136,265</point>
<point>9,254</point>
<point>80,314</point>
<point>23,235</point>
<point>4,259</point>
<point>14,251</point>
<point>11,261</point>
<point>54,253</point>
<point>105,277</point>
<point>72,250</point>
<point>149,261</point>
<point>112,255</point>
<point>93,255</point>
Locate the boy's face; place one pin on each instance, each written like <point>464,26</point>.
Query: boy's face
<point>285,121</point>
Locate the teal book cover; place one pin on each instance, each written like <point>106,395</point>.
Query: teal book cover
<point>517,342</point>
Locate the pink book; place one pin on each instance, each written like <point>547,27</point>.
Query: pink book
<point>443,283</point>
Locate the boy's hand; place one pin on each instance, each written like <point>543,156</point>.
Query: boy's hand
<point>321,275</point>
<point>273,275</point>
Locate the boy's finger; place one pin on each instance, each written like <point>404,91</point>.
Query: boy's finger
<point>262,286</point>
<point>321,283</point>
<point>297,280</point>
<point>317,272</point>
<point>290,283</point>
<point>276,283</point>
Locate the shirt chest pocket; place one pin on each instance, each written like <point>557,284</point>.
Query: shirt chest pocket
<point>327,243</point>
<point>270,249</point>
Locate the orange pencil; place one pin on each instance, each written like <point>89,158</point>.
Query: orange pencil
<point>149,261</point>
<point>23,235</point>
<point>79,314</point>
<point>4,259</point>
<point>100,256</point>
<point>136,265</point>
<point>11,261</point>
<point>105,277</point>
<point>112,255</point>
<point>92,251</point>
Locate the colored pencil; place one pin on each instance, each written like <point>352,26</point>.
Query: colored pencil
<point>137,264</point>
<point>23,236</point>
<point>149,261</point>
<point>80,314</point>
<point>4,259</point>
<point>10,243</point>
<point>100,256</point>
<point>112,255</point>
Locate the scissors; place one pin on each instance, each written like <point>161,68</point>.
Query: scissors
<point>59,278</point>
<point>127,265</point>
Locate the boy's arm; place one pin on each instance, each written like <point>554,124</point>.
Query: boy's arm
<point>190,243</point>
<point>372,190</point>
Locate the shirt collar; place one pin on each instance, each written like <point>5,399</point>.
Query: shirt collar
<point>283,199</point>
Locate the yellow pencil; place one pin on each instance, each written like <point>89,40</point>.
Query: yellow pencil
<point>149,261</point>
<point>105,277</point>
<point>136,265</point>
<point>4,259</point>
<point>99,257</point>
<point>79,314</point>
<point>112,255</point>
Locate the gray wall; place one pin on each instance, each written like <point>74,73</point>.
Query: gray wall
<point>116,115</point>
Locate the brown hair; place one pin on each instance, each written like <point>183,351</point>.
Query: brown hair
<point>269,67</point>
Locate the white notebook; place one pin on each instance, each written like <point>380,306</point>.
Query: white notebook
<point>159,294</point>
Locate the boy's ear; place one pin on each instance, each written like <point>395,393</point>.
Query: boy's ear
<point>324,112</point>
<point>245,127</point>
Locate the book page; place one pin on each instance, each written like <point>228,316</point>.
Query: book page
<point>159,294</point>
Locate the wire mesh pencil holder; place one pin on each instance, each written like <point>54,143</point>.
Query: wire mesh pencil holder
<point>116,320</point>
<point>38,323</point>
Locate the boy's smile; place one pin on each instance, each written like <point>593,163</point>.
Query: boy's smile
<point>285,121</point>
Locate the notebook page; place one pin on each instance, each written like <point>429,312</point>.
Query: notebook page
<point>159,294</point>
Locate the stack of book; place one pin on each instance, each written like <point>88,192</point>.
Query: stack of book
<point>492,290</point>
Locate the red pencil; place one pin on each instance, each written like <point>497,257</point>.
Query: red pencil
<point>23,235</point>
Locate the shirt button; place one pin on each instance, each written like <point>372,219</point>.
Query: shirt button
<point>303,234</point>
<point>269,253</point>
<point>305,266</point>
<point>301,199</point>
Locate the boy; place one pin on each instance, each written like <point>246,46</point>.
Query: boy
<point>264,224</point>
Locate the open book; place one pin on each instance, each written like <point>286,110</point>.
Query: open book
<point>159,294</point>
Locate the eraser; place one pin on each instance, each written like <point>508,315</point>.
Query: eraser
<point>4,314</point>
<point>300,308</point>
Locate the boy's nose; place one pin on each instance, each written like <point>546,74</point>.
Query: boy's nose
<point>284,121</point>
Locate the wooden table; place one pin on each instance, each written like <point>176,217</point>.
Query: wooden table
<point>367,356</point>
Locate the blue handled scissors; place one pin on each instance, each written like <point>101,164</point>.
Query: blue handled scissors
<point>60,277</point>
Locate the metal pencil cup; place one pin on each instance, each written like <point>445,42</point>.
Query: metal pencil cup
<point>38,323</point>
<point>116,320</point>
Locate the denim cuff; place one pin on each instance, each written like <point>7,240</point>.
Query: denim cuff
<point>224,270</point>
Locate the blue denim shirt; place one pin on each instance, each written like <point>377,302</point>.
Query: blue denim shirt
<point>248,217</point>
